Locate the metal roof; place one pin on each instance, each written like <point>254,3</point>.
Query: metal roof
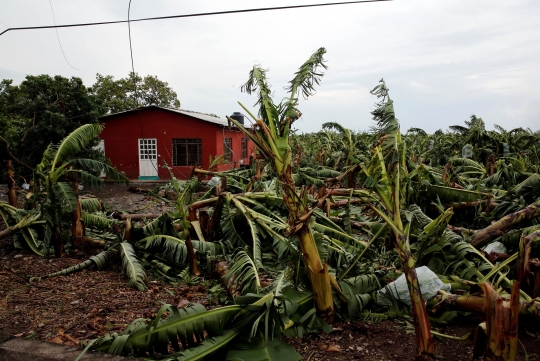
<point>193,114</point>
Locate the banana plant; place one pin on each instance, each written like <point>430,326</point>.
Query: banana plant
<point>53,192</point>
<point>387,176</point>
<point>349,148</point>
<point>270,135</point>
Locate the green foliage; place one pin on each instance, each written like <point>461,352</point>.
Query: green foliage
<point>132,267</point>
<point>100,261</point>
<point>40,111</point>
<point>133,91</point>
<point>183,328</point>
<point>243,272</point>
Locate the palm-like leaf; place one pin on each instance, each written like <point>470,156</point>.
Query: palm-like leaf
<point>65,196</point>
<point>243,272</point>
<point>529,188</point>
<point>75,142</point>
<point>357,291</point>
<point>100,260</point>
<point>32,240</point>
<point>132,267</point>
<point>97,167</point>
<point>206,348</point>
<point>94,220</point>
<point>185,327</point>
<point>261,350</point>
<point>173,248</point>
<point>161,225</point>
<point>91,205</point>
<point>449,195</point>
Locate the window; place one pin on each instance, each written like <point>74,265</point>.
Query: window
<point>147,149</point>
<point>227,149</point>
<point>244,148</point>
<point>186,151</point>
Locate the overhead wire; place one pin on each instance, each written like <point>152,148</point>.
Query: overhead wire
<point>192,15</point>
<point>58,37</point>
<point>129,21</point>
<point>144,145</point>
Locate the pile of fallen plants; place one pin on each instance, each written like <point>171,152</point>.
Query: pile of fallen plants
<point>312,231</point>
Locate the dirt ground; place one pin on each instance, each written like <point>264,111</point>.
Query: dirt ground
<point>87,304</point>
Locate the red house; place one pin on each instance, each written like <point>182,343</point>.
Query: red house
<point>138,142</point>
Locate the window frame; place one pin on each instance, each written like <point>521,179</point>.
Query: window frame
<point>188,158</point>
<point>244,145</point>
<point>227,150</point>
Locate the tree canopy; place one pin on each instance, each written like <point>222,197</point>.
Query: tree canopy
<point>40,111</point>
<point>132,92</point>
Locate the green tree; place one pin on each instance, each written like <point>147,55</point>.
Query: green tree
<point>128,93</point>
<point>40,111</point>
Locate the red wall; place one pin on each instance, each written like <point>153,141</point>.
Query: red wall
<point>122,132</point>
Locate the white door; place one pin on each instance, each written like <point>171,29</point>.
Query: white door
<point>148,166</point>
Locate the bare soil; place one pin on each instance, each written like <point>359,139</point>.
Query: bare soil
<point>88,304</point>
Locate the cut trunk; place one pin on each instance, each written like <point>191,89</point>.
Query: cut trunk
<point>498,228</point>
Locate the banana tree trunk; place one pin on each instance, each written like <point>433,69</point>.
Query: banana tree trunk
<point>498,228</point>
<point>6,233</point>
<point>136,216</point>
<point>77,225</point>
<point>127,230</point>
<point>216,217</point>
<point>535,277</point>
<point>299,224</point>
<point>93,243</point>
<point>425,348</point>
<point>317,273</point>
<point>187,224</point>
<point>12,189</point>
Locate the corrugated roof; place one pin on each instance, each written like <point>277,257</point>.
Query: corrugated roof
<point>201,116</point>
<point>193,114</point>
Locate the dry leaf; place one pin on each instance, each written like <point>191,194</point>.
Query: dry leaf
<point>56,339</point>
<point>334,348</point>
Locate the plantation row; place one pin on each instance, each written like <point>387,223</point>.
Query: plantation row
<point>331,218</point>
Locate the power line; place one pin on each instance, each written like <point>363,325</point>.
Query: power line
<point>191,15</point>
<point>58,37</point>
<point>4,23</point>
<point>145,146</point>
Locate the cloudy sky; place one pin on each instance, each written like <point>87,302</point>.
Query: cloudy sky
<point>443,60</point>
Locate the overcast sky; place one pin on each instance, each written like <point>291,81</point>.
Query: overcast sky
<point>443,60</point>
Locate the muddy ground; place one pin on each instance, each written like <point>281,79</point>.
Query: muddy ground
<point>87,304</point>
